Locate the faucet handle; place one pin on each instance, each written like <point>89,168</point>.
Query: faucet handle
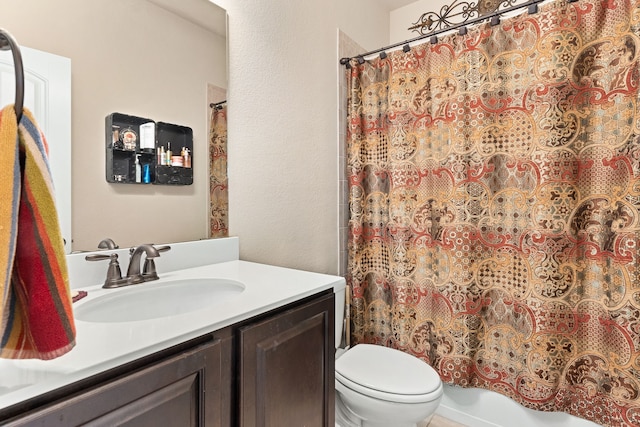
<point>149,269</point>
<point>164,248</point>
<point>107,244</point>
<point>114,275</point>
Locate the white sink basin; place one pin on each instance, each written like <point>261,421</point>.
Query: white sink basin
<point>153,300</point>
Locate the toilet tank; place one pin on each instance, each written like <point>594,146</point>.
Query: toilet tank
<point>340,314</point>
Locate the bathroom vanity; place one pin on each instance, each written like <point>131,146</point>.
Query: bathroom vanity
<point>262,357</point>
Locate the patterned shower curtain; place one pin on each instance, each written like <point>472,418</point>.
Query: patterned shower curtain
<point>218,180</point>
<point>494,191</point>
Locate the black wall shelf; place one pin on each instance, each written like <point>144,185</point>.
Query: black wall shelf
<point>128,137</point>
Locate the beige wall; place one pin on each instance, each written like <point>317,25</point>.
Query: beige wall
<point>132,57</point>
<point>283,116</point>
<point>283,124</point>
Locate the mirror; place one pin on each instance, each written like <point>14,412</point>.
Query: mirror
<point>47,95</point>
<point>148,58</point>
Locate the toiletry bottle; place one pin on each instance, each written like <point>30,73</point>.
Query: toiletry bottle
<point>160,151</point>
<point>115,138</point>
<point>146,173</point>
<point>138,170</point>
<point>169,153</point>
<point>187,158</point>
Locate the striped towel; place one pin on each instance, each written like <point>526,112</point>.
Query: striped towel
<point>36,318</point>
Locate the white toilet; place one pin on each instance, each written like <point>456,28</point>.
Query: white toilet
<point>378,386</point>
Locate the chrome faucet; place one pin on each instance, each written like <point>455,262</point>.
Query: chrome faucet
<point>133,272</point>
<point>114,278</point>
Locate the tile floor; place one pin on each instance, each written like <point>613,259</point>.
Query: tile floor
<point>439,421</point>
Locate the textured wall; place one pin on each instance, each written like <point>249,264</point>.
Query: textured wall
<point>283,125</point>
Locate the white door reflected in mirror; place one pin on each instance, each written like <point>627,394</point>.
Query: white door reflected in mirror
<point>47,94</point>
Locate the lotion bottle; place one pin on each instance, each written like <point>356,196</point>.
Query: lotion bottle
<point>187,157</point>
<point>169,154</point>
<point>161,155</point>
<point>138,169</point>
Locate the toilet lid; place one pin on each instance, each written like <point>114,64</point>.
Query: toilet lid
<point>387,370</point>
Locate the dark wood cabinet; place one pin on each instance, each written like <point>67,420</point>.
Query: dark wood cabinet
<point>287,368</point>
<point>274,370</point>
<point>189,389</point>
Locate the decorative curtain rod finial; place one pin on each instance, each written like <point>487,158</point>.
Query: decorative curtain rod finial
<point>458,13</point>
<point>430,24</point>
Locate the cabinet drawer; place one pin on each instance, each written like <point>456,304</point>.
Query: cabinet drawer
<point>180,391</point>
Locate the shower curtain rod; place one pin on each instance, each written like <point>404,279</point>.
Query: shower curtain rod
<point>532,5</point>
<point>217,105</point>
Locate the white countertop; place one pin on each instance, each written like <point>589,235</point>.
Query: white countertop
<point>102,346</point>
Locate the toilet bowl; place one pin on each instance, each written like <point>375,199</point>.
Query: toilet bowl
<point>378,386</point>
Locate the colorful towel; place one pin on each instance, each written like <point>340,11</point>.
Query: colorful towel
<point>36,318</point>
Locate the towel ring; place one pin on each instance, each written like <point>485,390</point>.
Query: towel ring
<point>7,42</point>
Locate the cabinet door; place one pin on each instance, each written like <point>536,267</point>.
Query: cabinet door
<point>181,391</point>
<point>287,368</point>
